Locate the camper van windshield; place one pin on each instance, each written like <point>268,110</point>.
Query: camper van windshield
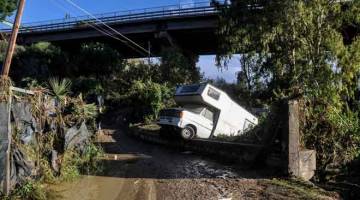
<point>190,88</point>
<point>194,108</point>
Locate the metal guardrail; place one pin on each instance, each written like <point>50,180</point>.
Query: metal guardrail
<point>196,9</point>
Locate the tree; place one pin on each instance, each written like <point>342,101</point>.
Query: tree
<point>38,61</point>
<point>97,59</point>
<point>251,82</point>
<point>3,47</point>
<point>7,7</point>
<point>298,48</point>
<point>176,68</point>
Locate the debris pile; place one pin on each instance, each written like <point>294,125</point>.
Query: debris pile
<point>51,134</point>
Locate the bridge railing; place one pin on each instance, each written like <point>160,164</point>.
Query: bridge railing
<point>196,9</point>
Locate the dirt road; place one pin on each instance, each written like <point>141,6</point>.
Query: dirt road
<point>136,170</point>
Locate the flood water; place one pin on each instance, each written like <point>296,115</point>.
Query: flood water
<point>135,170</point>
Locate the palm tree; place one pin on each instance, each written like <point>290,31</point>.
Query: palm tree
<point>60,89</point>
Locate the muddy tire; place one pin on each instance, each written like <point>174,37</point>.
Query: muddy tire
<point>188,133</point>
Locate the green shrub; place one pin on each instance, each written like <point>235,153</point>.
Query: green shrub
<point>69,169</point>
<point>149,98</point>
<point>30,190</point>
<point>335,134</point>
<point>90,158</point>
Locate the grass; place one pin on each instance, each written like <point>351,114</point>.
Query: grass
<point>145,128</point>
<point>87,162</point>
<point>30,190</point>
<point>150,127</point>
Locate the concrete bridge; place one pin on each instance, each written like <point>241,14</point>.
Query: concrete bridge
<point>190,27</point>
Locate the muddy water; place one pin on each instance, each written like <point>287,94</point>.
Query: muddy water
<point>134,170</point>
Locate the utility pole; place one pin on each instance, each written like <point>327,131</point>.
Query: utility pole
<point>12,42</point>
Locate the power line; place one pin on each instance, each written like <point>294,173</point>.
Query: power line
<point>98,28</point>
<point>7,23</point>
<point>97,19</point>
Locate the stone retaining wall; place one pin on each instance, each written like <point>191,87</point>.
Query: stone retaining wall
<point>239,152</point>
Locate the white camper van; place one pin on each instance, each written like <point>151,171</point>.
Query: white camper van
<point>205,111</point>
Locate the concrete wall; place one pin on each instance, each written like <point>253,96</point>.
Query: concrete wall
<point>239,152</point>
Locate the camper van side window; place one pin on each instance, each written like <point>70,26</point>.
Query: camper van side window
<point>208,114</point>
<point>213,93</point>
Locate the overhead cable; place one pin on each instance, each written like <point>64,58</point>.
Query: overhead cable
<point>117,32</point>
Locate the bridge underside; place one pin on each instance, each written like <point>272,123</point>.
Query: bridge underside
<point>195,34</point>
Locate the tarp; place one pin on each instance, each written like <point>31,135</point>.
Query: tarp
<point>25,122</point>
<point>4,116</point>
<point>77,137</point>
<point>21,167</point>
<point>26,126</point>
<point>3,147</point>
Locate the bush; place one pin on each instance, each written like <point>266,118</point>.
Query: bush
<point>52,122</point>
<point>334,133</point>
<point>148,98</point>
<point>31,190</point>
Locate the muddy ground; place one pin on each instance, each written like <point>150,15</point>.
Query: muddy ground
<point>135,170</point>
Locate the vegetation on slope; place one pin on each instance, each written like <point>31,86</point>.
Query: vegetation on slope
<point>302,49</point>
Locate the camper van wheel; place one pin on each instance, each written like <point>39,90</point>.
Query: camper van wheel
<point>188,133</point>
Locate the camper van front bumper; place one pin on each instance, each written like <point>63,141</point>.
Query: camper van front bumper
<point>170,121</point>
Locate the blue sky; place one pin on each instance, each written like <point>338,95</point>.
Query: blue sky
<point>40,10</point>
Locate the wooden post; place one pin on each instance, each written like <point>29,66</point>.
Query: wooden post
<point>12,42</point>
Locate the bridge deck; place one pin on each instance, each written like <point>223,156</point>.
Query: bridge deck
<point>182,10</point>
<point>190,27</point>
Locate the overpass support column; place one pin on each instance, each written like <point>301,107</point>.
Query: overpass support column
<point>164,35</point>
<point>193,59</point>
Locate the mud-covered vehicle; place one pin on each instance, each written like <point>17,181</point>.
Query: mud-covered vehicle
<point>205,111</point>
